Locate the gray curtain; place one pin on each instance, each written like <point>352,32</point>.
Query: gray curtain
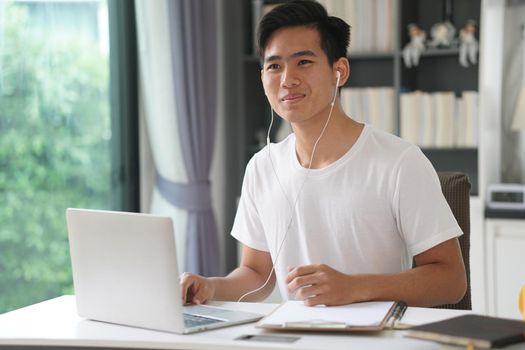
<point>193,26</point>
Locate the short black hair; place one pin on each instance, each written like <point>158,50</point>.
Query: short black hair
<point>334,32</point>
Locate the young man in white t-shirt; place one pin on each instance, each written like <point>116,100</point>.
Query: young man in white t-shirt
<point>338,208</point>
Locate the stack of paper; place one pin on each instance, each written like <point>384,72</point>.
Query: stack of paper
<point>364,316</point>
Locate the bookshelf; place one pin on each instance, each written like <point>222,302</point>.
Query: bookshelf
<point>438,71</point>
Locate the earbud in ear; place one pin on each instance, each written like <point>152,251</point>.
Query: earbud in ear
<point>338,77</point>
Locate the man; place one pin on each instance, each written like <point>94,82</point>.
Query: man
<point>339,208</point>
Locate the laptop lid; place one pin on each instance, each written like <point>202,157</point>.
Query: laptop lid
<point>125,268</point>
<point>125,271</point>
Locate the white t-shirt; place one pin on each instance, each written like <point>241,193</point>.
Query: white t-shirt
<point>370,211</point>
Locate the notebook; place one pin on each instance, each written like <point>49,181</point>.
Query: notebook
<point>480,331</point>
<point>125,272</point>
<point>367,316</point>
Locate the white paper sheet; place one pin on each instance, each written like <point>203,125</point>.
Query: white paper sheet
<point>360,314</point>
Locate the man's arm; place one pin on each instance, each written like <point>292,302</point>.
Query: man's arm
<point>438,278</point>
<point>251,274</point>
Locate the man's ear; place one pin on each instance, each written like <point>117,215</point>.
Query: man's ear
<point>343,66</point>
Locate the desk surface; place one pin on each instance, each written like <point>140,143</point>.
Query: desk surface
<point>55,323</point>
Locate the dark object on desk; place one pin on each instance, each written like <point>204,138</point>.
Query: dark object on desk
<point>480,331</point>
<point>268,338</point>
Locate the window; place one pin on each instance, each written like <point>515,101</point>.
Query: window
<point>60,140</point>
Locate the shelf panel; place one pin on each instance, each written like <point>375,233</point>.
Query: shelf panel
<point>440,52</point>
<point>440,73</point>
<point>435,53</point>
<point>372,56</point>
<point>464,160</point>
<point>371,73</point>
<point>465,150</point>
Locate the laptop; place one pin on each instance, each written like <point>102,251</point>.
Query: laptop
<point>125,272</point>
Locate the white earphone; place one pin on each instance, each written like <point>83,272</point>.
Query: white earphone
<point>293,204</point>
<point>338,78</point>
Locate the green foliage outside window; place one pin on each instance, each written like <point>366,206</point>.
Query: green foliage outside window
<point>55,134</point>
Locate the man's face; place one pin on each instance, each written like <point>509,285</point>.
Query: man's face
<point>297,78</point>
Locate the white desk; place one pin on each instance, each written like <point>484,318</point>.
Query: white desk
<point>54,323</point>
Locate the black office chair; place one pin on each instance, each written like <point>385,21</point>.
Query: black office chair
<point>456,189</point>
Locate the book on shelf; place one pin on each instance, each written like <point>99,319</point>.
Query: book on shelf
<point>427,121</point>
<point>439,119</point>
<point>409,118</point>
<point>371,21</point>
<point>373,106</point>
<point>471,116</point>
<point>444,119</point>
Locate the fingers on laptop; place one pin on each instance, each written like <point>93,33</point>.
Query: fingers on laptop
<point>185,287</point>
<point>194,289</point>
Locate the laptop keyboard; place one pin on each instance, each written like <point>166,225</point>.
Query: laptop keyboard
<point>195,321</point>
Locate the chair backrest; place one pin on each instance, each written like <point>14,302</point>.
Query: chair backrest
<point>456,189</point>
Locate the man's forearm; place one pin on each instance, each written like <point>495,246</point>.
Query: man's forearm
<point>240,281</point>
<point>427,285</point>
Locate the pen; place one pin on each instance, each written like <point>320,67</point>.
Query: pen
<point>398,313</point>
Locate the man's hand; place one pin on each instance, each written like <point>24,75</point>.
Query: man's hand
<point>438,278</point>
<point>320,285</point>
<point>196,289</point>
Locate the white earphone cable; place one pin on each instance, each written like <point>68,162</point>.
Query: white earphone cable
<point>300,189</point>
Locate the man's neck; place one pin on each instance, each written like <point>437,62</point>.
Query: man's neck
<point>340,135</point>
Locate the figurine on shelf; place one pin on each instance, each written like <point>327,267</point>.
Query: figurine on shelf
<point>413,49</point>
<point>442,34</point>
<point>468,47</point>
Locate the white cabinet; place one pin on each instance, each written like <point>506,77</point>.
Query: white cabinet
<point>505,265</point>
<point>504,243</point>
<point>477,256</point>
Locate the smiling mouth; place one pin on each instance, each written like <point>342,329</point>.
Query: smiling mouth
<point>293,98</point>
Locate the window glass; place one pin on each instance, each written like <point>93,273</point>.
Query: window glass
<point>55,138</point>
